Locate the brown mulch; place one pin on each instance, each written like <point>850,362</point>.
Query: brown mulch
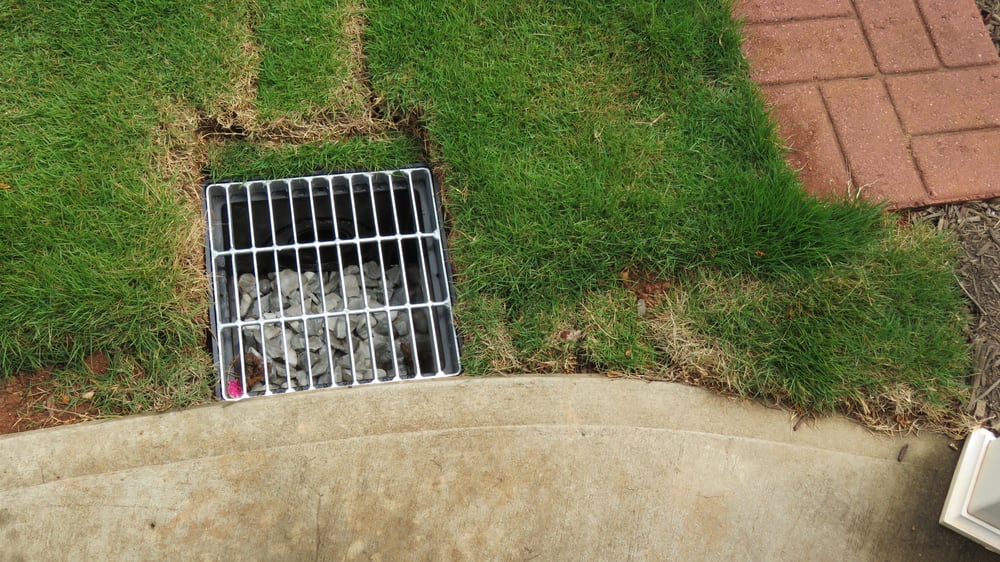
<point>977,225</point>
<point>990,9</point>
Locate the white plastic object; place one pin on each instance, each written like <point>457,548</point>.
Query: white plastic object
<point>972,507</point>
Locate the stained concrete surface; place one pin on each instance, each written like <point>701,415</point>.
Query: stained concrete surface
<point>514,468</point>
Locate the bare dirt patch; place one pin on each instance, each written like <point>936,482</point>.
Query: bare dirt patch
<point>648,289</point>
<point>97,363</point>
<point>29,401</point>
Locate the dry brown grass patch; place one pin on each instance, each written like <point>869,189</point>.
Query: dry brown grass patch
<point>236,108</point>
<point>900,411</point>
<point>359,112</point>
<point>181,156</point>
<point>186,133</point>
<point>691,357</point>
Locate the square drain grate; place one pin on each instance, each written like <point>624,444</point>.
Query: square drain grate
<point>331,280</point>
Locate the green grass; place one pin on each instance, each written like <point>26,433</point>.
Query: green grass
<point>244,160</point>
<point>90,229</point>
<point>306,68</point>
<point>94,226</point>
<point>845,333</point>
<point>634,143</point>
<point>578,141</point>
<point>586,140</point>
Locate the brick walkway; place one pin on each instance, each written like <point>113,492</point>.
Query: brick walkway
<point>898,98</point>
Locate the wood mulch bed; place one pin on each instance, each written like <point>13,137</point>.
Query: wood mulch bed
<point>977,224</point>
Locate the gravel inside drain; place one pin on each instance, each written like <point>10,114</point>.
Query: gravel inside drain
<point>343,338</point>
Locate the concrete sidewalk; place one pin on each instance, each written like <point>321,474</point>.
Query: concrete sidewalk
<point>573,467</point>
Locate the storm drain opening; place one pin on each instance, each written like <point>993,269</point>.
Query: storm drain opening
<point>330,280</point>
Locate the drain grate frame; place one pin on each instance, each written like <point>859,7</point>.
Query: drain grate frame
<point>328,280</point>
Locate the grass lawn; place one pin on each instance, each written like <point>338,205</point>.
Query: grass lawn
<point>590,153</point>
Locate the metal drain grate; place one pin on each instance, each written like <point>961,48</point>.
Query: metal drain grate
<point>329,280</point>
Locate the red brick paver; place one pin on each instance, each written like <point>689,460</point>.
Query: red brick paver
<point>958,32</point>
<point>895,31</point>
<point>757,11</point>
<point>812,144</point>
<point>962,165</point>
<point>953,100</point>
<point>873,141</point>
<point>900,99</point>
<point>789,51</point>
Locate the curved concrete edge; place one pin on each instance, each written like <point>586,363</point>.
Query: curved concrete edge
<point>550,467</point>
<point>313,417</point>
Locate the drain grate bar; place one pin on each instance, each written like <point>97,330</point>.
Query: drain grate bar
<point>328,280</point>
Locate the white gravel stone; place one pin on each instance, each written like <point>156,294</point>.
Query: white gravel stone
<point>271,331</point>
<point>334,303</point>
<point>246,304</point>
<point>402,324</point>
<point>291,356</point>
<point>398,297</point>
<point>372,339</point>
<point>301,378</point>
<point>246,283</point>
<point>288,281</point>
<point>352,288</point>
